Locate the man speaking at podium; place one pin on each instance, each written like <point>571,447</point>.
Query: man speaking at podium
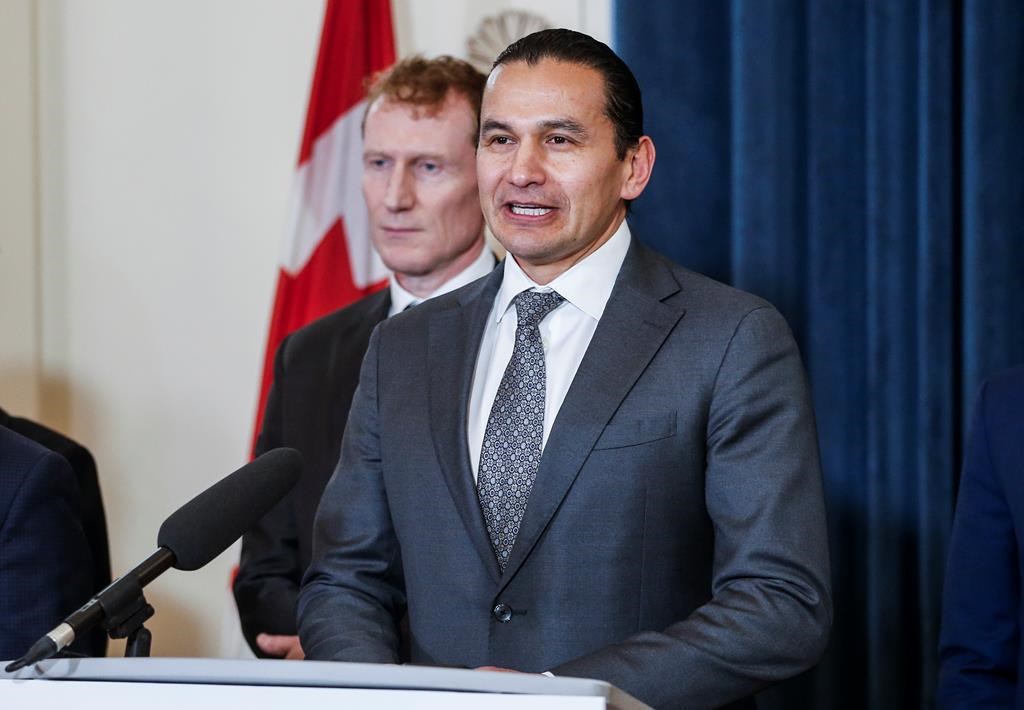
<point>592,462</point>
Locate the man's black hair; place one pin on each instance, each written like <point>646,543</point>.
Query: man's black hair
<point>623,104</point>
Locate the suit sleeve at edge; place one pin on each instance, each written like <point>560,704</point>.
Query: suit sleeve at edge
<point>46,566</point>
<point>979,639</point>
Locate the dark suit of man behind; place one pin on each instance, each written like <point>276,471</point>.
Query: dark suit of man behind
<point>981,652</point>
<point>45,564</point>
<point>674,538</point>
<point>316,370</point>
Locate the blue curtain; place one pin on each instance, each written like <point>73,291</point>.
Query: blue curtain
<point>861,165</point>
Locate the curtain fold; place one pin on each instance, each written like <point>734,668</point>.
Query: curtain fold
<point>859,164</point>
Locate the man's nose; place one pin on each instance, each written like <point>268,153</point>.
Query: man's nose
<point>527,166</point>
<point>400,194</point>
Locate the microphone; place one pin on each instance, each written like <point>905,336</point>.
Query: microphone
<point>190,538</point>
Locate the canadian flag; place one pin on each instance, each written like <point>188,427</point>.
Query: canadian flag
<point>327,260</point>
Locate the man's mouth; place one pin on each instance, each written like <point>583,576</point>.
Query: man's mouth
<point>527,210</point>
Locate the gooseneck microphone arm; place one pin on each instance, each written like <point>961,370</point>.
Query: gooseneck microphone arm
<point>153,566</point>
<point>190,538</point>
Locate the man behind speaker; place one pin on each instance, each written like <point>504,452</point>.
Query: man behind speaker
<point>419,183</point>
<point>593,462</point>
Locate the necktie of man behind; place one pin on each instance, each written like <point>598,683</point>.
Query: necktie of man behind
<point>512,441</point>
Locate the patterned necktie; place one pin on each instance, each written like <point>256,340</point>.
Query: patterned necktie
<point>515,428</point>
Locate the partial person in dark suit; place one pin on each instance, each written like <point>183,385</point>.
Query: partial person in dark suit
<point>93,518</point>
<point>419,183</point>
<point>46,568</point>
<point>980,646</point>
<point>593,462</point>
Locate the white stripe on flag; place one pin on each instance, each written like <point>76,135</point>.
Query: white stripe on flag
<point>327,187</point>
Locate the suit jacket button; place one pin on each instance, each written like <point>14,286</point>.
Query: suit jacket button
<point>502,613</point>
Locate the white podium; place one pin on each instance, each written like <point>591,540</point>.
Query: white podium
<point>201,683</point>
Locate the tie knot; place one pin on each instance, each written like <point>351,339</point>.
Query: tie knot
<point>532,306</point>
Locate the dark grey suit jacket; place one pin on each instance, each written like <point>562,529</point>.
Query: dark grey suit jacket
<point>674,543</point>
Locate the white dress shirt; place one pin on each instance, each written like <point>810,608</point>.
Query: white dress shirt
<point>565,333</point>
<point>402,299</point>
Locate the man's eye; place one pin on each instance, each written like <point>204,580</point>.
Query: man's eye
<point>559,140</point>
<point>376,162</point>
<point>429,167</point>
<point>501,140</point>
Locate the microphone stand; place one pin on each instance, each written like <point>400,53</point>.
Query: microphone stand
<point>126,611</point>
<point>125,607</point>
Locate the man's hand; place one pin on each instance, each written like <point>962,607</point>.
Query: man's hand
<point>287,647</point>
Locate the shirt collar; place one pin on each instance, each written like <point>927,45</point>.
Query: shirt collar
<point>402,299</point>
<point>587,284</point>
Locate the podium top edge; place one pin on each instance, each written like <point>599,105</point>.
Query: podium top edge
<point>206,671</point>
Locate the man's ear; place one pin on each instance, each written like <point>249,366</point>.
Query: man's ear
<point>641,164</point>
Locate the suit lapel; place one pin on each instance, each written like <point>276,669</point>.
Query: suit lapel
<point>635,323</point>
<point>454,342</point>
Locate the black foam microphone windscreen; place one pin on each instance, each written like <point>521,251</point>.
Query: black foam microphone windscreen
<point>209,523</point>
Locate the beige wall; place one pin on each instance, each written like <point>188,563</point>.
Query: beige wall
<point>19,262</point>
<point>151,151</point>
